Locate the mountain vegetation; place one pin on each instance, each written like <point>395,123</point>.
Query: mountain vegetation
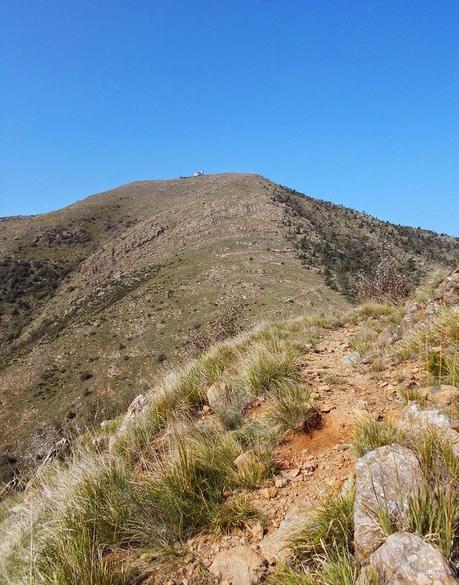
<point>99,298</point>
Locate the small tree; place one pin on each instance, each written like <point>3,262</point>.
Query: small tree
<point>385,283</point>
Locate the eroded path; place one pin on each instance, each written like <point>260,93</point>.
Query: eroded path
<point>312,465</point>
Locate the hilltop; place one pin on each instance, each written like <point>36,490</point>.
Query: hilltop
<point>99,297</point>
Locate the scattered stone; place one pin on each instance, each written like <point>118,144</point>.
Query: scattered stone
<point>385,480</point>
<point>274,547</point>
<point>280,482</point>
<point>257,531</point>
<point>268,493</point>
<point>351,359</point>
<point>217,394</point>
<point>245,459</point>
<point>238,566</point>
<point>405,559</point>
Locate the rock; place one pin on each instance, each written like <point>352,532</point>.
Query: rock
<point>351,359</point>
<point>442,395</point>
<point>416,420</point>
<point>280,482</point>
<point>137,406</point>
<point>405,559</point>
<point>274,547</point>
<point>385,480</point>
<point>238,566</point>
<point>257,531</point>
<point>217,394</point>
<point>244,459</point>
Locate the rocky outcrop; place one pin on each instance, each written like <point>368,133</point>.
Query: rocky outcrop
<point>137,406</point>
<point>274,546</point>
<point>238,566</point>
<point>447,292</point>
<point>405,559</point>
<point>415,420</point>
<point>385,480</point>
<point>217,394</point>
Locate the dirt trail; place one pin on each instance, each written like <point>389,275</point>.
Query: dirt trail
<point>313,465</point>
<point>310,466</point>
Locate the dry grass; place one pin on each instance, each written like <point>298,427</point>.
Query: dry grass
<point>437,343</point>
<point>291,408</point>
<point>142,498</point>
<point>370,434</point>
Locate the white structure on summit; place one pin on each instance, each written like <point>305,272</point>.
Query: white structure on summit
<point>198,173</point>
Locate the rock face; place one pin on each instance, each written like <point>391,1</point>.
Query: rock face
<point>274,546</point>
<point>416,420</point>
<point>385,480</point>
<point>139,404</point>
<point>405,559</point>
<point>238,566</point>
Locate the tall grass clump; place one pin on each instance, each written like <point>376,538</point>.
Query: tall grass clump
<point>384,311</point>
<point>433,512</point>
<point>429,283</point>
<point>370,434</point>
<point>330,530</point>
<point>268,364</point>
<point>437,343</point>
<point>291,408</point>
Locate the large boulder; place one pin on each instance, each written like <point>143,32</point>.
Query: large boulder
<point>385,480</point>
<point>415,420</point>
<point>405,559</point>
<point>274,546</point>
<point>238,566</point>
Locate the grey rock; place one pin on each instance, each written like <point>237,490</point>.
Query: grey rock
<point>238,566</point>
<point>351,359</point>
<point>385,479</point>
<point>405,559</point>
<point>274,546</point>
<point>415,420</point>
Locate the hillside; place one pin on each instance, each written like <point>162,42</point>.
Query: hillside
<point>97,298</point>
<point>309,451</point>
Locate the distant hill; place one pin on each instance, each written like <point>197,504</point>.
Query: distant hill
<point>97,297</point>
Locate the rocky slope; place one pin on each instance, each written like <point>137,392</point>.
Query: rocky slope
<point>96,298</point>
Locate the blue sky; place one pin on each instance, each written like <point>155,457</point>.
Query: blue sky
<point>352,101</point>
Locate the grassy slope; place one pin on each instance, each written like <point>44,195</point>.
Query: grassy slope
<point>114,517</point>
<point>153,272</point>
<point>137,299</point>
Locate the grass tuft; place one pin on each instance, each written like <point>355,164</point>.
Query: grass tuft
<point>291,409</point>
<point>370,434</point>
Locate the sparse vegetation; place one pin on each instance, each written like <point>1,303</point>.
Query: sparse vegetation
<point>291,408</point>
<point>370,434</point>
<point>437,343</point>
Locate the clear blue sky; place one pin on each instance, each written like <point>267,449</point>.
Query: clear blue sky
<point>353,101</point>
